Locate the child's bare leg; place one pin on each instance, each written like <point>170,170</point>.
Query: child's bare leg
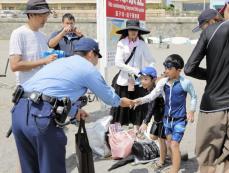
<point>207,169</point>
<point>153,137</point>
<point>226,166</point>
<point>163,150</point>
<point>168,141</point>
<point>176,157</point>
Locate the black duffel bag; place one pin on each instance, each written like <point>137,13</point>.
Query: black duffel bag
<point>145,150</point>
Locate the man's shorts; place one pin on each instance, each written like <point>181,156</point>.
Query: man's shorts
<point>175,128</point>
<point>212,138</point>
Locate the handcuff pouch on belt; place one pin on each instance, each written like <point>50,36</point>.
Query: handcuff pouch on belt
<point>17,94</point>
<point>83,101</point>
<point>61,110</point>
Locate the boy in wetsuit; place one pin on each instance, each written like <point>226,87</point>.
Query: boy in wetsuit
<point>175,88</point>
<point>155,108</point>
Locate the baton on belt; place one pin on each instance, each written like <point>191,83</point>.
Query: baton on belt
<point>9,132</point>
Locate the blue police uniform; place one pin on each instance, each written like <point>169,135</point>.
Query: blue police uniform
<point>40,144</point>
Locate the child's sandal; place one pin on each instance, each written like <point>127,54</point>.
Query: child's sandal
<point>159,165</point>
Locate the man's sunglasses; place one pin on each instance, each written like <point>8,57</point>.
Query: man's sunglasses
<point>169,65</point>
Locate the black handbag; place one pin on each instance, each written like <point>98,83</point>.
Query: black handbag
<point>145,150</point>
<point>154,128</point>
<point>115,78</point>
<point>83,150</point>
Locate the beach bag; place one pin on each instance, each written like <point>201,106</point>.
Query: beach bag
<point>83,150</point>
<point>120,141</point>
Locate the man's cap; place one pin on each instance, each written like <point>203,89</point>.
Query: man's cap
<point>204,17</point>
<point>148,71</point>
<point>87,44</point>
<point>133,25</point>
<point>221,11</point>
<point>37,7</point>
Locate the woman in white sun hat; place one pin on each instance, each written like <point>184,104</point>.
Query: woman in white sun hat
<point>126,85</point>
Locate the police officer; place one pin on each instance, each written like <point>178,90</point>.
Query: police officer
<point>40,143</point>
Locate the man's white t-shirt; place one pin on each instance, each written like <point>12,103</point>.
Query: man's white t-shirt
<point>29,44</point>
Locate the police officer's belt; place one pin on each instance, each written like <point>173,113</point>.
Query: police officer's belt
<point>42,97</point>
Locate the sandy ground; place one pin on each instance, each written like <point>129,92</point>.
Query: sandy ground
<point>8,153</point>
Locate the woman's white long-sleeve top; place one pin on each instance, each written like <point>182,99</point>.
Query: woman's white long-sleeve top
<point>141,58</point>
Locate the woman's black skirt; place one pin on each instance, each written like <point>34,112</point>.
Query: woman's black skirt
<point>125,116</point>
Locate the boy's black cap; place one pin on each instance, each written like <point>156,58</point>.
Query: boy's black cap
<point>37,7</point>
<point>204,17</point>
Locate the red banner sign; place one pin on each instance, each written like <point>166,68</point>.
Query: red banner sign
<point>126,9</point>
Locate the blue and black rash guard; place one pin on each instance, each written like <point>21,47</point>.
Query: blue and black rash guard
<point>156,109</point>
<point>175,96</point>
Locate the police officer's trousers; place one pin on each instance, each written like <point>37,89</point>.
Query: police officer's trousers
<point>40,144</point>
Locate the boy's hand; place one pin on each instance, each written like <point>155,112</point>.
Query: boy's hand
<point>190,117</point>
<point>125,102</point>
<point>143,127</point>
<point>137,102</point>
